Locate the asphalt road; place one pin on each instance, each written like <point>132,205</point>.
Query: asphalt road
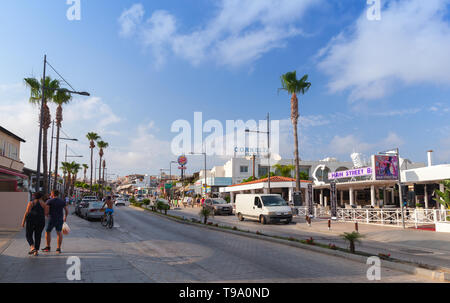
<point>147,248</point>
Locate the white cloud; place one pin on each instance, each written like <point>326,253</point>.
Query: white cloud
<point>409,46</point>
<point>349,144</point>
<point>240,32</point>
<point>130,19</point>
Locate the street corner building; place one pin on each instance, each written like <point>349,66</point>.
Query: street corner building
<point>14,183</point>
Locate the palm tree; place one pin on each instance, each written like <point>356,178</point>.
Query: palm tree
<point>85,167</point>
<point>102,145</point>
<point>60,98</point>
<point>35,98</point>
<point>284,170</point>
<point>104,166</point>
<point>65,167</point>
<point>352,238</point>
<point>92,137</point>
<point>74,169</point>
<point>293,86</point>
<point>205,213</point>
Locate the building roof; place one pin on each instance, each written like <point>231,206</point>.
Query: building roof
<point>272,180</point>
<point>4,130</point>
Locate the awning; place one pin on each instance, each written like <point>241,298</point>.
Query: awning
<point>13,173</point>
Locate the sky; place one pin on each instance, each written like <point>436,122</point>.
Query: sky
<point>376,84</point>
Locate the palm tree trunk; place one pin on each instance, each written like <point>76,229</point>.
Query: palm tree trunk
<point>294,119</point>
<point>45,127</point>
<point>100,172</point>
<point>56,157</point>
<point>92,155</point>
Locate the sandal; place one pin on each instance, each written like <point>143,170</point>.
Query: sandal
<point>47,249</point>
<point>36,253</point>
<point>58,250</point>
<point>32,251</point>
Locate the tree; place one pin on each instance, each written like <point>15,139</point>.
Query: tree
<point>36,88</point>
<point>74,169</point>
<point>293,86</point>
<point>445,196</point>
<point>205,213</point>
<point>60,98</point>
<point>102,145</point>
<point>352,238</point>
<point>92,137</point>
<point>85,167</point>
<point>65,167</point>
<point>284,170</point>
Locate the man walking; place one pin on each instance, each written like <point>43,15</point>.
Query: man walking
<point>56,219</point>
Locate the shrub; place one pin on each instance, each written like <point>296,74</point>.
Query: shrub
<point>234,228</point>
<point>205,213</point>
<point>332,246</point>
<point>146,201</point>
<point>352,238</point>
<point>310,241</point>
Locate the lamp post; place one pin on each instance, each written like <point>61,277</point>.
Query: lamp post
<point>204,154</point>
<point>51,152</point>
<point>170,174</point>
<point>41,121</point>
<point>268,145</point>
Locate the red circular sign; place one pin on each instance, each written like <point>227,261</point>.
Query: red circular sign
<point>182,160</point>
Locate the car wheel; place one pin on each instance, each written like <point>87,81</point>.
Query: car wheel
<point>263,220</point>
<point>288,222</point>
<point>240,217</point>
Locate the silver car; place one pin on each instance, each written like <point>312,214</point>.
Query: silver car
<point>92,210</point>
<point>219,206</point>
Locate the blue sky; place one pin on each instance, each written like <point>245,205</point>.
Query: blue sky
<point>375,84</point>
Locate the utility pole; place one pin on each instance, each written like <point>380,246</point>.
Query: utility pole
<point>268,146</point>
<point>51,152</point>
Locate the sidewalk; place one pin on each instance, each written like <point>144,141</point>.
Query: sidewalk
<point>6,236</point>
<point>418,246</point>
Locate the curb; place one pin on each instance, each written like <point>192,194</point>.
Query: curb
<point>8,242</point>
<point>410,269</point>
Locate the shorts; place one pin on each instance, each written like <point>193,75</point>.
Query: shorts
<point>57,224</point>
<point>109,210</point>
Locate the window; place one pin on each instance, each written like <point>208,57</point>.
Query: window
<point>13,154</point>
<point>244,169</point>
<point>263,170</point>
<point>2,147</point>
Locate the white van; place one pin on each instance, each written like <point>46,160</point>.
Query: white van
<point>263,207</point>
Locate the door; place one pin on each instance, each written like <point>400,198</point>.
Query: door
<point>257,208</point>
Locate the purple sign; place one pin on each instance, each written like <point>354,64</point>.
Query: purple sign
<point>358,172</point>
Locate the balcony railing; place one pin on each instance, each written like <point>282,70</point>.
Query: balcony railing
<point>11,164</point>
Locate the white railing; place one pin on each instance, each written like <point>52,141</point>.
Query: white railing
<point>390,216</point>
<point>393,216</point>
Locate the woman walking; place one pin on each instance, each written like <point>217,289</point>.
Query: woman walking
<point>35,220</point>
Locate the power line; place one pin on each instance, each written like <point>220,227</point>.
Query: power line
<point>60,76</point>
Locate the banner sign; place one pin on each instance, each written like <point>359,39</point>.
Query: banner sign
<point>310,200</point>
<point>386,167</point>
<point>358,172</point>
<point>333,199</point>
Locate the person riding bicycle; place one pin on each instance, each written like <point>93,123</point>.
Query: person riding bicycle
<point>109,203</point>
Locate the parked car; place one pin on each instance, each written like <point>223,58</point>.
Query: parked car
<point>80,204</point>
<point>122,202</point>
<point>264,208</point>
<point>92,210</point>
<point>219,206</point>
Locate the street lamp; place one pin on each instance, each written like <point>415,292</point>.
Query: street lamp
<point>51,152</point>
<point>41,122</point>
<point>170,174</point>
<point>268,145</point>
<point>204,154</point>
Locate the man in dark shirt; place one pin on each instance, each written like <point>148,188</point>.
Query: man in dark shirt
<point>56,218</point>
